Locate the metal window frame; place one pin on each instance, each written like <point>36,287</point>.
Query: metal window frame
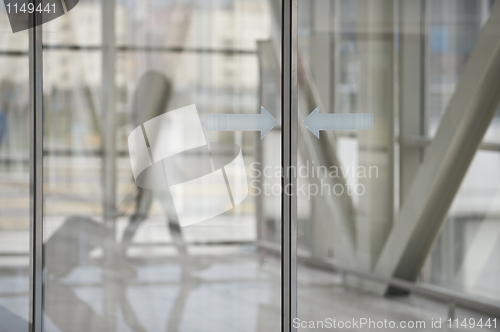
<point>289,152</point>
<point>289,145</point>
<point>289,141</point>
<point>36,266</point>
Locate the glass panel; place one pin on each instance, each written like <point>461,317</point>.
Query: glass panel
<point>14,178</point>
<point>465,255</point>
<point>174,245</point>
<point>409,198</point>
<point>453,27</point>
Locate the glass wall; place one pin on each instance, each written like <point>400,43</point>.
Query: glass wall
<point>14,178</point>
<point>163,178</point>
<point>366,202</point>
<point>126,255</point>
<point>464,258</point>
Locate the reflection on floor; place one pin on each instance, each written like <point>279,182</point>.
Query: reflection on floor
<point>212,286</point>
<point>147,276</point>
<point>219,294</point>
<point>321,295</point>
<point>237,293</point>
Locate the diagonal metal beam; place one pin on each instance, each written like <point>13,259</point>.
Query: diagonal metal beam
<point>344,234</point>
<point>323,152</point>
<point>448,157</point>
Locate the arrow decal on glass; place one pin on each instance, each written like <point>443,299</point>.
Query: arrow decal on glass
<point>348,121</point>
<point>262,122</point>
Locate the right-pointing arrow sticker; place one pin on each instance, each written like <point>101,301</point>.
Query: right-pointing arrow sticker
<point>347,121</point>
<point>262,122</point>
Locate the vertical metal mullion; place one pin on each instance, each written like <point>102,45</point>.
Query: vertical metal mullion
<point>108,104</point>
<point>424,55</point>
<point>108,130</point>
<point>36,170</point>
<point>289,135</point>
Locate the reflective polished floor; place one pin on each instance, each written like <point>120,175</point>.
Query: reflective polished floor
<point>213,279</point>
<point>163,295</point>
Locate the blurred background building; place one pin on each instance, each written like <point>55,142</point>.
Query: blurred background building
<point>109,268</point>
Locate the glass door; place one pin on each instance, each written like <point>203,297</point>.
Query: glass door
<point>15,117</point>
<point>249,165</point>
<point>397,164</point>
<point>156,133</point>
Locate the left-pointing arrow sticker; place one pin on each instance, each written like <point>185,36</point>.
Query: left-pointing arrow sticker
<point>262,122</point>
<point>346,121</point>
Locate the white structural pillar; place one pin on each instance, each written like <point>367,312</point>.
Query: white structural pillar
<point>447,159</point>
<point>108,130</point>
<point>411,90</point>
<point>376,147</point>
<point>108,109</point>
<point>330,230</point>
